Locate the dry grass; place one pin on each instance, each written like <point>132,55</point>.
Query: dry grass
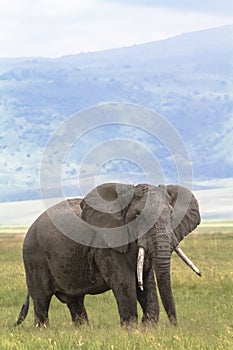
<point>204,305</point>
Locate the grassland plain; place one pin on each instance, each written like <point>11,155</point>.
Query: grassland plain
<point>204,305</point>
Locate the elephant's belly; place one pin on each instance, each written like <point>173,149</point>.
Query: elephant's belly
<point>98,289</point>
<point>81,288</point>
<point>74,283</point>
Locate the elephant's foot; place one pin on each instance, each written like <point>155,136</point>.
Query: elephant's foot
<point>150,320</point>
<point>41,319</point>
<point>42,325</point>
<point>173,320</point>
<point>128,315</point>
<point>80,321</point>
<point>129,322</point>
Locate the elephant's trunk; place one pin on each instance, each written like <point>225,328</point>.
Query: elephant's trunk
<point>161,258</point>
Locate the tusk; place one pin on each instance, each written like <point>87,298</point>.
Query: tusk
<point>141,256</point>
<point>184,257</point>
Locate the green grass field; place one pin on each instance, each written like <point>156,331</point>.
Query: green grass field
<point>204,305</point>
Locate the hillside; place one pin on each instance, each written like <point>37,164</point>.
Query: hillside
<point>188,79</point>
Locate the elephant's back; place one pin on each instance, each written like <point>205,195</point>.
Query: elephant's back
<point>66,207</point>
<point>45,229</point>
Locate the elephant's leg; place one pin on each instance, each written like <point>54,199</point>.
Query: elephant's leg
<point>41,306</point>
<point>148,299</point>
<point>120,277</point>
<point>40,288</point>
<point>77,310</point>
<point>125,295</point>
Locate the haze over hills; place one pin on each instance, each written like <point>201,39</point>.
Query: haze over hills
<point>188,79</point>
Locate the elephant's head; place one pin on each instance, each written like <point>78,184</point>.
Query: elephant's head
<point>157,218</point>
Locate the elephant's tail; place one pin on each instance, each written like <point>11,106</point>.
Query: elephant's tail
<point>24,311</point>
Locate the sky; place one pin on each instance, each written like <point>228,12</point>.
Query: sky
<point>53,28</point>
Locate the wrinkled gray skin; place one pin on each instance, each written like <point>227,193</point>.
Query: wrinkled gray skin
<point>57,265</point>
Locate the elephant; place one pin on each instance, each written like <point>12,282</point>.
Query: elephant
<point>130,231</point>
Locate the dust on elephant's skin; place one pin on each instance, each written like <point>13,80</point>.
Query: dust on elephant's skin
<point>57,265</point>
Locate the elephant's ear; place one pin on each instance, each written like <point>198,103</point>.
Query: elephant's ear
<point>104,207</point>
<point>186,215</point>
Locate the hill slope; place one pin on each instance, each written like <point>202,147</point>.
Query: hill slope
<point>188,79</point>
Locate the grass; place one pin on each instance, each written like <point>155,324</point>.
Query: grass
<point>12,230</point>
<point>204,305</point>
